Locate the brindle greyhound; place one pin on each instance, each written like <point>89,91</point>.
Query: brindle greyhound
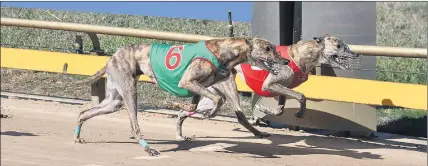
<point>303,57</point>
<point>183,70</point>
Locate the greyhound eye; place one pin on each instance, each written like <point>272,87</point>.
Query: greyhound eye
<point>268,49</point>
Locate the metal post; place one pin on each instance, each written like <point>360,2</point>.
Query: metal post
<point>95,44</point>
<point>78,44</point>
<point>98,93</point>
<point>78,47</point>
<point>230,26</point>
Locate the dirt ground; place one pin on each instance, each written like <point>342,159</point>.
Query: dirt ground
<point>41,133</point>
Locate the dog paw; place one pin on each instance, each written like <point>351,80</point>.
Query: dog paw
<point>254,122</point>
<point>262,135</point>
<point>208,114</point>
<point>299,114</point>
<point>152,152</point>
<point>279,111</point>
<point>181,138</point>
<point>213,112</point>
<point>79,140</point>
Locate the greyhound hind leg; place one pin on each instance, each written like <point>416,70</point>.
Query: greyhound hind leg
<point>110,104</point>
<point>126,85</point>
<point>182,115</point>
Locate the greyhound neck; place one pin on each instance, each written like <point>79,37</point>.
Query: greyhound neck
<point>304,67</point>
<point>215,51</point>
<point>295,61</point>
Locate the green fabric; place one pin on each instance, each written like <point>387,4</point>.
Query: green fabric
<point>168,78</point>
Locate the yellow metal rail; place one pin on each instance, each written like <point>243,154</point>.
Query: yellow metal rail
<point>317,87</point>
<point>363,49</point>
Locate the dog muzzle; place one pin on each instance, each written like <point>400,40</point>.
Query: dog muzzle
<point>347,63</point>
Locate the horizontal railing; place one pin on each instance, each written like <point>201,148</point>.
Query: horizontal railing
<point>333,88</point>
<point>363,49</point>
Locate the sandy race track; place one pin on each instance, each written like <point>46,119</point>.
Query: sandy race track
<point>40,133</point>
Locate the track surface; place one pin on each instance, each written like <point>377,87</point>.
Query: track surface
<point>40,133</point>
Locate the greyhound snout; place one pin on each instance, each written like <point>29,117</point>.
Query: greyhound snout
<point>266,64</point>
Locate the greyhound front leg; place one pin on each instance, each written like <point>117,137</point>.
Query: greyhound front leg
<point>278,88</point>
<point>197,88</point>
<point>183,115</point>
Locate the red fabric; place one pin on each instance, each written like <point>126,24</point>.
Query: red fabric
<point>255,78</point>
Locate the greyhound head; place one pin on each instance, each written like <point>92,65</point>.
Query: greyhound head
<point>264,55</point>
<point>336,52</point>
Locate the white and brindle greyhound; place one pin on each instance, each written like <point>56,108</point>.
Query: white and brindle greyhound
<point>184,71</point>
<point>303,57</point>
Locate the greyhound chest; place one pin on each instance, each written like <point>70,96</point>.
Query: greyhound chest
<point>254,76</point>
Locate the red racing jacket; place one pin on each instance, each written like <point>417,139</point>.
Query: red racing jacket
<point>254,77</point>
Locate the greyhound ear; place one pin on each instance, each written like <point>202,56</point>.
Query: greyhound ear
<point>318,39</point>
<point>249,41</point>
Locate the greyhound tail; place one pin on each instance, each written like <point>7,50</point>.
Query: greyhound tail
<point>92,79</point>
